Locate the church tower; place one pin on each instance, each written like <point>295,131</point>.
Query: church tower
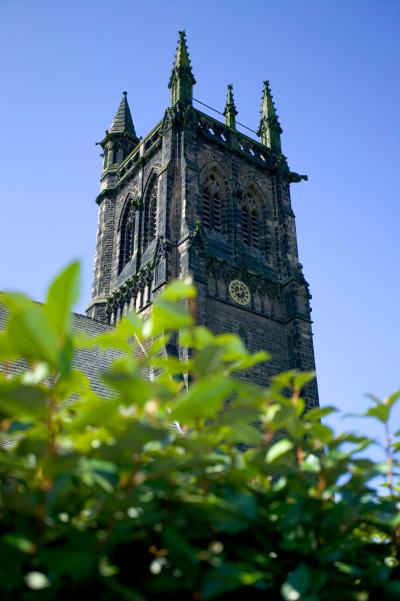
<point>196,196</point>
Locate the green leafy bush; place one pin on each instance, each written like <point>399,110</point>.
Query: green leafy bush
<point>213,490</point>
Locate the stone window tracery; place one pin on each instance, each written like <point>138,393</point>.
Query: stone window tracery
<point>212,200</point>
<point>150,214</point>
<point>126,236</point>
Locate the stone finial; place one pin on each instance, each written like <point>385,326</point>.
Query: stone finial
<point>269,129</point>
<point>230,111</point>
<point>182,80</point>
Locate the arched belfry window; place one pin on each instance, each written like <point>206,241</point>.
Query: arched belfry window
<point>117,153</point>
<point>150,214</point>
<point>212,201</point>
<point>250,220</point>
<point>127,227</point>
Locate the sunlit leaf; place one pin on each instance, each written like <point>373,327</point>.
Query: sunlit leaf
<point>204,399</point>
<point>32,335</point>
<point>278,449</point>
<point>62,295</point>
<point>178,289</point>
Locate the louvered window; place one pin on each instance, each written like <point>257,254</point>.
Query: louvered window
<point>246,225</point>
<point>212,203</point>
<point>250,220</point>
<point>254,229</point>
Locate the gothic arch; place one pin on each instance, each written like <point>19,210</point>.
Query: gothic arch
<point>126,228</point>
<point>149,212</point>
<point>263,199</point>
<point>128,199</point>
<point>152,175</point>
<point>214,166</point>
<point>213,198</point>
<point>252,218</point>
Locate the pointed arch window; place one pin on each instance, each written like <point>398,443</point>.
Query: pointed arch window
<point>212,201</point>
<point>250,220</point>
<point>127,229</point>
<point>150,214</point>
<point>117,153</point>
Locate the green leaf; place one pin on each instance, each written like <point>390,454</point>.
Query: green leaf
<point>125,378</point>
<point>302,379</point>
<point>73,561</point>
<point>249,361</point>
<point>234,348</point>
<point>391,591</point>
<point>320,432</point>
<point>16,302</point>
<point>392,399</point>
<point>380,412</point>
<point>177,290</point>
<point>317,413</point>
<point>229,577</point>
<point>63,293</point>
<point>19,401</point>
<point>133,440</point>
<point>204,399</point>
<point>182,554</point>
<point>168,315</point>
<point>208,360</point>
<point>297,584</point>
<point>91,411</point>
<point>289,592</point>
<point>123,592</point>
<point>278,449</point>
<point>32,335</point>
<point>197,337</point>
<point>96,472</point>
<point>221,580</point>
<point>123,337</point>
<point>20,542</point>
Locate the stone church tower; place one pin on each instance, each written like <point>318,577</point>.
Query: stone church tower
<point>196,196</point>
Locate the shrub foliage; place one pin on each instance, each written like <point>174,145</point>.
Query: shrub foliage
<point>187,482</point>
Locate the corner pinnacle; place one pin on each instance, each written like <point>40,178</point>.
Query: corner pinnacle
<point>230,111</point>
<point>269,129</point>
<point>182,79</point>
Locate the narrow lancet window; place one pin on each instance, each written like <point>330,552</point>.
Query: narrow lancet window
<point>250,220</point>
<point>126,236</point>
<point>150,214</point>
<point>212,199</point>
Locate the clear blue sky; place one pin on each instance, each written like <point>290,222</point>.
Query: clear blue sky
<point>334,72</point>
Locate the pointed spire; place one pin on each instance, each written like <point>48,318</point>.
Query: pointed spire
<point>122,122</point>
<point>269,129</point>
<point>230,111</point>
<point>121,138</point>
<point>182,80</point>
